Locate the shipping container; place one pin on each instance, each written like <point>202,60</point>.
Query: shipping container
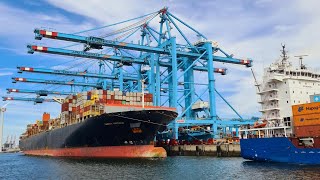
<point>308,108</point>
<point>307,131</point>
<point>45,117</point>
<point>307,119</point>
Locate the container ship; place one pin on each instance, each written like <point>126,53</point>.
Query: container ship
<point>289,129</point>
<point>100,124</point>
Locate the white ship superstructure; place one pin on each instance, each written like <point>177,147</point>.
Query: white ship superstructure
<point>283,86</point>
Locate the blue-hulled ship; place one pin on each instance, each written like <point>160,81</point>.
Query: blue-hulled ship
<point>289,128</point>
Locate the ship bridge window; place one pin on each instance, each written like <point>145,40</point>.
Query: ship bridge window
<point>287,121</point>
<point>287,73</point>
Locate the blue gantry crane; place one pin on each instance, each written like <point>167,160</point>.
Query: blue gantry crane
<point>162,56</point>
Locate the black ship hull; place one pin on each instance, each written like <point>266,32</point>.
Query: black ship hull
<point>122,129</point>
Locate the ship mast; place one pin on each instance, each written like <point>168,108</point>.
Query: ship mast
<point>284,55</point>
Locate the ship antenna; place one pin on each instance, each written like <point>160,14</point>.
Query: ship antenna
<point>284,54</point>
<point>302,66</point>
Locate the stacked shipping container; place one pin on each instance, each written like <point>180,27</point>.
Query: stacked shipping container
<point>76,108</point>
<point>306,119</point>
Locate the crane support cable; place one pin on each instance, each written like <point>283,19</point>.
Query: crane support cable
<point>101,27</point>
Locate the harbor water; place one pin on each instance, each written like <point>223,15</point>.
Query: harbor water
<point>19,166</point>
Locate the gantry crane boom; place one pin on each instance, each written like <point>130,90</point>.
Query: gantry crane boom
<point>73,73</point>
<point>98,42</point>
<point>83,54</point>
<point>36,100</point>
<point>70,83</point>
<point>38,92</point>
<point>92,75</point>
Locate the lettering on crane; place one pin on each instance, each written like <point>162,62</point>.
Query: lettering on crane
<point>64,72</point>
<point>82,53</point>
<point>95,40</point>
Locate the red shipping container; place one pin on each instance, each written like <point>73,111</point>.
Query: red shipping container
<point>74,109</point>
<point>70,100</point>
<point>110,101</point>
<point>307,131</point>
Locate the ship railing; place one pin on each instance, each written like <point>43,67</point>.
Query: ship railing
<point>268,108</point>
<point>268,90</point>
<point>268,98</point>
<point>266,132</point>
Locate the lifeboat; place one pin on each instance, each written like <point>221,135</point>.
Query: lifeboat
<point>260,125</point>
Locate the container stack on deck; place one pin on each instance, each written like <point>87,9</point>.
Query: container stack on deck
<point>39,126</point>
<point>306,119</point>
<point>76,108</point>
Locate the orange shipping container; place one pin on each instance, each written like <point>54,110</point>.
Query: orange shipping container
<point>306,120</point>
<point>308,108</point>
<point>307,131</point>
<point>45,117</point>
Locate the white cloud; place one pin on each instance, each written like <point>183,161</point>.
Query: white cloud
<point>5,73</point>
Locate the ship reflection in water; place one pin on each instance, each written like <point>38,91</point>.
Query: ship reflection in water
<point>18,166</point>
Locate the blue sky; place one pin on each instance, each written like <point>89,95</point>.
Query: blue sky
<point>244,28</point>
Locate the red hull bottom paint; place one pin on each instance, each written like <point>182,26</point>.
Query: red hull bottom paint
<point>141,151</point>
